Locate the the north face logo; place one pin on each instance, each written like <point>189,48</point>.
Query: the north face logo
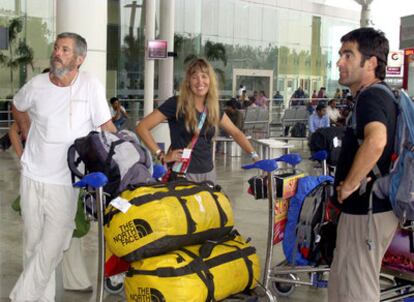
<point>142,227</point>
<point>132,231</point>
<point>146,294</point>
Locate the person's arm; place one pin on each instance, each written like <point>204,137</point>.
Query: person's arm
<point>23,121</point>
<point>144,127</point>
<point>326,123</point>
<point>124,112</point>
<point>16,142</point>
<point>311,126</point>
<point>143,130</point>
<point>238,136</point>
<point>369,152</point>
<point>117,114</point>
<point>108,126</point>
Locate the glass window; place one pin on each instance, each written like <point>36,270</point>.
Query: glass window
<point>35,34</point>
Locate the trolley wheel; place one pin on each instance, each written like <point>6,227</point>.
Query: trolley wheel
<point>283,289</point>
<point>114,284</point>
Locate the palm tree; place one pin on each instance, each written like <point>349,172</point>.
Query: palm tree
<point>213,52</point>
<point>21,56</point>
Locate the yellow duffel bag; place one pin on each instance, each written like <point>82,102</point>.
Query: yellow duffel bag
<point>192,274</point>
<point>165,217</point>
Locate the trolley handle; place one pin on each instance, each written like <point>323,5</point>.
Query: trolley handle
<point>320,155</point>
<point>267,165</point>
<point>292,159</point>
<point>94,180</point>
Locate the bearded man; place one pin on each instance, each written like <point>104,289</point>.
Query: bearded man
<point>63,105</point>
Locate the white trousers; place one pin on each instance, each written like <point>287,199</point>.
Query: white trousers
<point>74,273</point>
<point>48,213</point>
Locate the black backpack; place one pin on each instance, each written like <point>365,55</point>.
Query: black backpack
<point>328,139</point>
<point>316,235</point>
<point>119,156</point>
<point>298,130</point>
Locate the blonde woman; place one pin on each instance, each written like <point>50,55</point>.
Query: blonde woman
<point>198,97</point>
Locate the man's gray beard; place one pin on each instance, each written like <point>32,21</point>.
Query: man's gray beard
<point>59,72</point>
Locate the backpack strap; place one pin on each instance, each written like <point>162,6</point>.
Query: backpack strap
<point>370,242</point>
<point>352,124</point>
<point>73,164</point>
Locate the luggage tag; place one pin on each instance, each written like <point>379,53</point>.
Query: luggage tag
<point>121,204</point>
<point>185,157</point>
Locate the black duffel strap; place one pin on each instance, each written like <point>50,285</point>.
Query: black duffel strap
<point>191,225</point>
<point>207,247</point>
<point>203,272</point>
<point>239,253</point>
<point>249,264</point>
<point>223,217</point>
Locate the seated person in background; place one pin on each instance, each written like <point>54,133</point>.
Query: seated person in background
<point>261,100</point>
<point>252,100</point>
<point>240,90</point>
<point>333,113</point>
<point>233,113</point>
<point>314,98</point>
<point>309,107</point>
<point>318,119</point>
<point>349,105</point>
<point>337,94</point>
<point>297,96</point>
<point>322,93</point>
<point>119,114</point>
<point>278,97</point>
<point>242,99</point>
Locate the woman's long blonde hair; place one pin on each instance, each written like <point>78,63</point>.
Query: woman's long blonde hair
<point>186,100</point>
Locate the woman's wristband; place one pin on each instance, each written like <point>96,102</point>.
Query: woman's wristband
<point>254,155</point>
<point>158,153</point>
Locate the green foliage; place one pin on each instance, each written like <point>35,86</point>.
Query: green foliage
<point>19,53</point>
<point>186,47</point>
<point>215,52</point>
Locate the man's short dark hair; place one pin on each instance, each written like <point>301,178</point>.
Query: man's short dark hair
<point>320,107</point>
<point>113,100</point>
<point>232,103</point>
<point>371,43</point>
<point>80,43</point>
<point>331,101</point>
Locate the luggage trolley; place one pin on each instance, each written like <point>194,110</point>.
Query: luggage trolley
<point>398,263</point>
<point>279,280</point>
<point>282,281</point>
<point>93,183</point>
